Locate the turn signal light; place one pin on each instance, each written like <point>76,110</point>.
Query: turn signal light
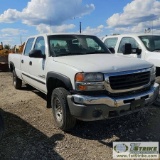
<point>79,77</point>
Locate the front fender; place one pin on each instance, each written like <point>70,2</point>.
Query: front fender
<point>66,80</point>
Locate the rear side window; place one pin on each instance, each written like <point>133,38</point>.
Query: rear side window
<point>28,46</point>
<point>111,42</point>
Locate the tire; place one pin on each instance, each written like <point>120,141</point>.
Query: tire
<point>17,83</point>
<point>62,117</point>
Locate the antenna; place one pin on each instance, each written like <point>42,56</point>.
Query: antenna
<point>80,29</point>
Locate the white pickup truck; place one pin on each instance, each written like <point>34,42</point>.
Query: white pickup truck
<point>145,46</point>
<point>82,79</point>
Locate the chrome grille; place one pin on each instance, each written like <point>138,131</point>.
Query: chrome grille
<point>128,81</point>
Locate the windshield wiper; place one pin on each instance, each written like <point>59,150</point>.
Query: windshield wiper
<point>69,54</point>
<point>95,52</point>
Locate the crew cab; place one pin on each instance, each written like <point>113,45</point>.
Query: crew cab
<point>144,46</point>
<point>82,79</point>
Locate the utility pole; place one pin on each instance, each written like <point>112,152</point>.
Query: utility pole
<point>80,29</point>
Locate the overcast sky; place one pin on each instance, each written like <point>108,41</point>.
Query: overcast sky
<point>22,18</point>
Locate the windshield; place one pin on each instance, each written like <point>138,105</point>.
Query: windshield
<point>65,45</point>
<point>151,42</point>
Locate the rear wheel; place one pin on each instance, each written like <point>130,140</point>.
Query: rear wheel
<point>62,117</point>
<point>16,81</point>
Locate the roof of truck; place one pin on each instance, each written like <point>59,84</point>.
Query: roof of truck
<point>133,34</point>
<point>49,34</point>
<point>128,35</point>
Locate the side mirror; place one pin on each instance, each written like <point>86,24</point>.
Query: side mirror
<point>127,48</point>
<point>112,50</point>
<point>138,51</point>
<point>36,54</point>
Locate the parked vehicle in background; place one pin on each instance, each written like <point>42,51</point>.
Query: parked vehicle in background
<point>5,50</point>
<point>143,46</point>
<point>82,79</point>
<point>3,54</point>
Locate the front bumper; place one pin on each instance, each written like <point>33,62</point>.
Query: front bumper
<point>89,108</point>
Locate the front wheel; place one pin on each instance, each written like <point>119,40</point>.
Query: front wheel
<point>62,117</point>
<point>17,83</point>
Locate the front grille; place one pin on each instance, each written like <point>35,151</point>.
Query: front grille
<point>129,81</point>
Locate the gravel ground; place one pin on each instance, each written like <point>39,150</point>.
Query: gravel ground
<point>30,132</point>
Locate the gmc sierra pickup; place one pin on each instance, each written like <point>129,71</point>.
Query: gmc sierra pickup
<point>82,79</point>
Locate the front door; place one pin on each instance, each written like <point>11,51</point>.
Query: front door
<point>134,45</point>
<point>37,67</point>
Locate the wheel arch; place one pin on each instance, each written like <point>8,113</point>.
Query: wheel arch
<point>54,80</point>
<point>59,79</point>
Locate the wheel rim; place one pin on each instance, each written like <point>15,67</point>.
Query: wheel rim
<point>58,110</point>
<point>14,79</point>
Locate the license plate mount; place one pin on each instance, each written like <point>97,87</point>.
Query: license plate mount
<point>137,104</point>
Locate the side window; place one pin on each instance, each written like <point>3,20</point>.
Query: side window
<point>125,40</point>
<point>111,42</point>
<point>28,46</point>
<point>40,44</point>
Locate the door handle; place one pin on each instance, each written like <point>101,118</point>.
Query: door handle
<point>22,61</point>
<point>30,63</point>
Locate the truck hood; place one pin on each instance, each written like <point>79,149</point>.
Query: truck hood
<point>104,63</point>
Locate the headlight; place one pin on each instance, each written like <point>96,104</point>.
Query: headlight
<point>153,73</point>
<point>89,81</point>
<point>89,77</point>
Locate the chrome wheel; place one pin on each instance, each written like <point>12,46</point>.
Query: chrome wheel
<point>58,110</point>
<point>14,78</point>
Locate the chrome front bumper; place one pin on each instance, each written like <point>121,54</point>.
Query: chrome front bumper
<point>149,96</point>
<point>89,108</point>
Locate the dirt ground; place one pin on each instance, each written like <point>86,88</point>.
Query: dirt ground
<point>30,132</point>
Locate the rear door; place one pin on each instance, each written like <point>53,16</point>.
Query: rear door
<point>25,60</point>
